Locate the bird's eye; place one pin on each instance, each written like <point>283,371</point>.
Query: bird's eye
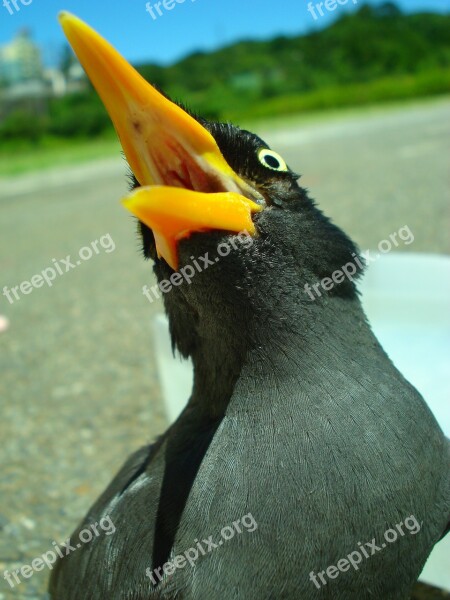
<point>272,160</point>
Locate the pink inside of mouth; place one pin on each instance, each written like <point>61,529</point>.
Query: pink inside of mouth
<point>178,168</point>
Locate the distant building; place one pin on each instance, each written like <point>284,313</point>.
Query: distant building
<point>26,85</point>
<point>60,84</point>
<point>20,60</point>
<point>76,78</point>
<point>56,82</point>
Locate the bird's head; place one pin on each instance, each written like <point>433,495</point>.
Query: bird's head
<point>233,236</point>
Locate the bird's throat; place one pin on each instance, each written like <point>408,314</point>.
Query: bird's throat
<point>240,362</point>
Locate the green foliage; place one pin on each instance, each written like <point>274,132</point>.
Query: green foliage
<point>372,55</point>
<point>403,87</point>
<point>78,115</point>
<point>22,125</point>
<point>373,43</point>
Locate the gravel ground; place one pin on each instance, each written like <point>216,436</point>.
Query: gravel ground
<point>78,386</point>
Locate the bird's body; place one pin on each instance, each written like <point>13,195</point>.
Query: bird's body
<point>324,443</point>
<point>298,421</point>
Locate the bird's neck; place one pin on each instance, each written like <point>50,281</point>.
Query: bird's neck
<point>248,354</point>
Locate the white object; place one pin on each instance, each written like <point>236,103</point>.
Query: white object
<point>4,324</point>
<point>175,374</point>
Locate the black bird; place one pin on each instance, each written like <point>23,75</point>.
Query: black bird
<point>301,445</point>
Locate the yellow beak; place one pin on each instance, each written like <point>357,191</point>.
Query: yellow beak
<point>186,184</point>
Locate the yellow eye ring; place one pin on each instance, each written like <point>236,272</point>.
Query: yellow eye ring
<point>272,160</point>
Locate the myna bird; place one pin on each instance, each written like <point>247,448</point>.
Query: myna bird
<point>298,424</point>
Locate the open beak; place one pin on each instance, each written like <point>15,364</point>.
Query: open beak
<point>186,184</point>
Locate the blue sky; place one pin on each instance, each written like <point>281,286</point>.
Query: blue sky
<point>192,25</point>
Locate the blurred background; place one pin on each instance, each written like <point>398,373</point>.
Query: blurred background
<point>355,98</point>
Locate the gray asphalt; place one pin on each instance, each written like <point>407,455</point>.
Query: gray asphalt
<point>78,384</point>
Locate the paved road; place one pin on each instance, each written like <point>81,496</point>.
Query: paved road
<point>78,383</point>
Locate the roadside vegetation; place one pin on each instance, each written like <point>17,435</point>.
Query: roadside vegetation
<point>375,55</point>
